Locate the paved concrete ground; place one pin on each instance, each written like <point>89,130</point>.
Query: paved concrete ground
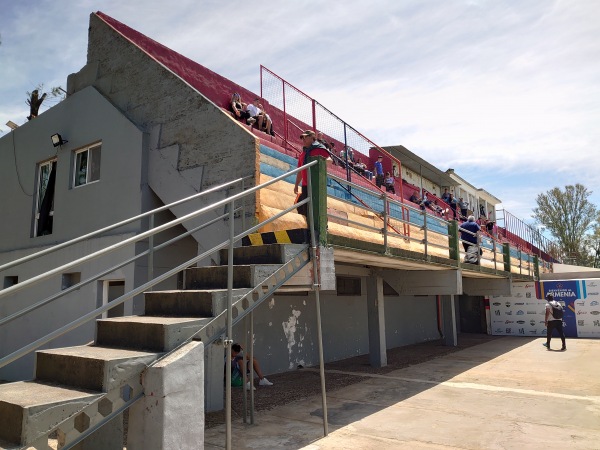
<point>508,393</point>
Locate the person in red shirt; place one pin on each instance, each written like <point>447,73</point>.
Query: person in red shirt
<point>311,147</point>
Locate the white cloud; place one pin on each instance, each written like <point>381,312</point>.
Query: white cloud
<point>499,88</point>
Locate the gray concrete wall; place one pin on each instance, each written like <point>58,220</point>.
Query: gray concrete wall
<point>82,119</point>
<point>208,141</point>
<point>285,333</point>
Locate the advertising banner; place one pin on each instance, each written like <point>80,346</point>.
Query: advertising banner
<point>522,313</point>
<point>588,309</point>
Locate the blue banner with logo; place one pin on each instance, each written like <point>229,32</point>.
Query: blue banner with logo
<point>567,291</point>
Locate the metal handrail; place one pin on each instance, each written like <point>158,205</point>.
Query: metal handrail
<point>93,314</point>
<point>146,234</point>
<point>118,224</point>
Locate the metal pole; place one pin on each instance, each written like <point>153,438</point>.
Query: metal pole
<point>385,222</point>
<point>243,210</point>
<point>228,341</point>
<point>317,288</point>
<point>151,250</point>
<point>252,367</point>
<point>425,230</point>
<point>244,381</point>
<point>285,121</point>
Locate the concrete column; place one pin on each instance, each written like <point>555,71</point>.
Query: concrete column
<point>214,389</point>
<point>171,415</point>
<point>449,321</point>
<point>376,319</point>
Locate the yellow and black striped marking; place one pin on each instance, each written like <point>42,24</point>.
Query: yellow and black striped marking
<point>296,236</point>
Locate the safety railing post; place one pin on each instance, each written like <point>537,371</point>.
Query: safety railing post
<point>228,340</point>
<point>243,213</point>
<point>494,243</point>
<point>251,367</point>
<point>425,231</point>
<point>385,222</point>
<point>318,195</point>
<point>320,168</point>
<point>506,254</point>
<point>454,241</point>
<point>151,249</point>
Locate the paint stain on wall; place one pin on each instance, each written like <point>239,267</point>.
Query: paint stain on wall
<point>289,329</point>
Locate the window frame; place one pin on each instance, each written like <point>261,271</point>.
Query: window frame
<point>38,198</point>
<point>90,160</point>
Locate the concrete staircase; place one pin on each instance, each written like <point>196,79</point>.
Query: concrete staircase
<point>76,388</point>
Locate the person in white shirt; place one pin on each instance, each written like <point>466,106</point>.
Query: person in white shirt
<point>256,111</point>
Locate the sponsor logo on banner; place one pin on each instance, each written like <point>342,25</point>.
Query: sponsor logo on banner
<point>520,312</point>
<point>591,284</point>
<point>496,303</point>
<point>507,304</point>
<point>518,295</point>
<point>521,330</point>
<point>529,286</point>
<point>580,312</point>
<point>528,294</point>
<point>508,330</point>
<point>531,312</point>
<point>580,303</point>
<point>509,321</point>
<point>597,323</point>
<point>581,323</point>
<point>594,303</point>
<point>498,330</point>
<point>594,313</point>
<point>532,322</point>
<point>592,293</point>
<point>519,303</point>
<point>533,331</point>
<point>508,313</point>
<point>521,322</point>
<point>497,312</point>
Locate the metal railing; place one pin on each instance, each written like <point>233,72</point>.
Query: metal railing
<point>219,326</point>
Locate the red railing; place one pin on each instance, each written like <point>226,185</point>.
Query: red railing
<point>307,113</point>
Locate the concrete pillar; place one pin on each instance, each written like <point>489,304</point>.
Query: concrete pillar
<point>171,415</point>
<point>449,321</point>
<point>376,320</point>
<point>214,387</point>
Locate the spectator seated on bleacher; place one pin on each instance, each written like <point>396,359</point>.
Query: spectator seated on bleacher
<point>323,141</point>
<point>360,167</point>
<point>388,182</point>
<point>437,208</point>
<point>416,199</point>
<point>263,121</point>
<point>347,157</point>
<point>425,201</point>
<point>238,108</point>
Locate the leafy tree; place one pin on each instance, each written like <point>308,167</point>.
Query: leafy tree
<point>568,215</point>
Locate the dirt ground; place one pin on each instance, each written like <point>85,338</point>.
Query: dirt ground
<point>300,384</point>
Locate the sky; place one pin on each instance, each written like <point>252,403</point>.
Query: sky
<point>505,92</point>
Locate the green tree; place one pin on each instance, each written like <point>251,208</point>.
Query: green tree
<point>569,216</point>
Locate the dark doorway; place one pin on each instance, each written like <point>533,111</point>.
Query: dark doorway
<point>472,314</point>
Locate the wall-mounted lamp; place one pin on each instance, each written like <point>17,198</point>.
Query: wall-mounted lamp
<point>10,124</point>
<point>57,140</point>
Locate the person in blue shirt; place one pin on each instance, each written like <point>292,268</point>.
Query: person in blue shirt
<point>379,177</point>
<point>468,234</point>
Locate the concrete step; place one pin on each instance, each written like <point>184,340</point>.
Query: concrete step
<point>190,303</point>
<point>262,254</point>
<point>31,408</point>
<point>215,277</point>
<point>150,333</point>
<point>91,367</point>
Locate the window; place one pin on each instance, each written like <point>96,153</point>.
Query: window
<point>87,165</point>
<point>44,198</point>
